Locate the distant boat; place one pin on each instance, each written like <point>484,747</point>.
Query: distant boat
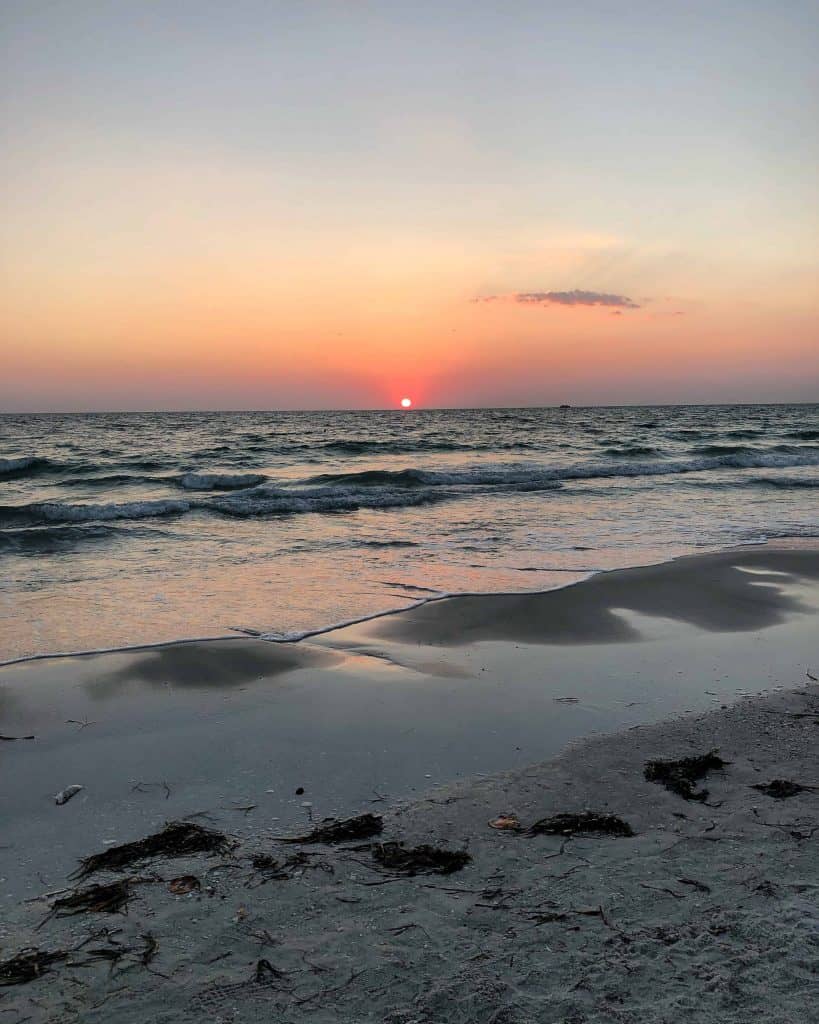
<point>564,407</point>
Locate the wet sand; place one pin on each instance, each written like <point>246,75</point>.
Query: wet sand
<point>370,717</point>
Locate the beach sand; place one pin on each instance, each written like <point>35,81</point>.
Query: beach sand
<point>438,719</point>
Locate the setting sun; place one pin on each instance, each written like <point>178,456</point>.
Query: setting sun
<point>406,403</point>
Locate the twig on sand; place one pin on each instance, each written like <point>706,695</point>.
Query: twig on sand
<point>401,928</point>
<point>699,886</point>
<point>140,787</point>
<point>661,888</point>
<point>599,912</point>
<point>46,895</point>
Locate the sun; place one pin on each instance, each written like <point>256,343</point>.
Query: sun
<point>406,403</point>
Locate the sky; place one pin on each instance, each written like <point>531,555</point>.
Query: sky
<point>279,205</point>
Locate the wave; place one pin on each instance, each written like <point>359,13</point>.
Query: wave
<point>262,501</point>
<point>219,481</point>
<point>803,435</point>
<point>514,476</point>
<point>110,478</point>
<point>355,446</point>
<point>44,512</point>
<point>531,476</point>
<point>630,451</point>
<point>22,466</point>
<point>53,539</point>
<point>722,449</point>
<point>92,472</point>
<point>387,544</point>
<point>339,492</point>
<point>741,449</point>
<point>786,482</point>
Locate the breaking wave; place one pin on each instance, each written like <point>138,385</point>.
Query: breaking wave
<point>43,512</point>
<point>338,492</point>
<point>219,481</point>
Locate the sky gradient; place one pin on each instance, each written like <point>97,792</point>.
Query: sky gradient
<point>332,205</point>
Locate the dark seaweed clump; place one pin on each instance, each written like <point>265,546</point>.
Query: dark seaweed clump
<point>680,776</point>
<point>364,826</point>
<point>28,965</point>
<point>177,839</point>
<point>584,823</point>
<point>781,789</point>
<point>96,899</point>
<point>419,860</point>
<point>273,869</point>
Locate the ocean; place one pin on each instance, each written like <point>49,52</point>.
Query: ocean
<point>121,529</point>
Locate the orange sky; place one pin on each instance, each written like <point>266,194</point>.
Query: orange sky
<point>181,234</point>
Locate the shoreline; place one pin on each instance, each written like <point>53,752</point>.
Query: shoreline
<point>240,633</point>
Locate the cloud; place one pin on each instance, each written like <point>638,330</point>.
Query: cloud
<point>576,297</point>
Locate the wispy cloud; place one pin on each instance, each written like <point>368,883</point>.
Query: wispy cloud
<point>576,297</point>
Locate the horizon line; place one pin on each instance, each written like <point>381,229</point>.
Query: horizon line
<point>397,409</point>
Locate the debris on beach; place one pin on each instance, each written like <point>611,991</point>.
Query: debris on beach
<point>149,949</point>
<point>363,826</point>
<point>680,776</point>
<point>65,794</point>
<point>266,974</point>
<point>95,899</point>
<point>28,965</point>
<point>584,823</point>
<point>177,839</point>
<point>419,860</point>
<point>265,862</point>
<point>505,823</point>
<point>184,884</point>
<point>275,870</point>
<point>782,789</point>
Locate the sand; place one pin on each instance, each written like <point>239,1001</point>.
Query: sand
<point>708,913</point>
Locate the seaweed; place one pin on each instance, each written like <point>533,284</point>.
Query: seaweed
<point>266,974</point>
<point>363,826</point>
<point>680,776</point>
<point>95,899</point>
<point>419,860</point>
<point>276,870</point>
<point>584,823</point>
<point>265,862</point>
<point>781,789</point>
<point>177,839</point>
<point>28,965</point>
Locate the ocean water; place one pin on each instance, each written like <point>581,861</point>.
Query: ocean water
<point>124,529</point>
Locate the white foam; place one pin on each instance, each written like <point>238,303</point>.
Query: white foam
<point>58,512</point>
<point>219,481</point>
